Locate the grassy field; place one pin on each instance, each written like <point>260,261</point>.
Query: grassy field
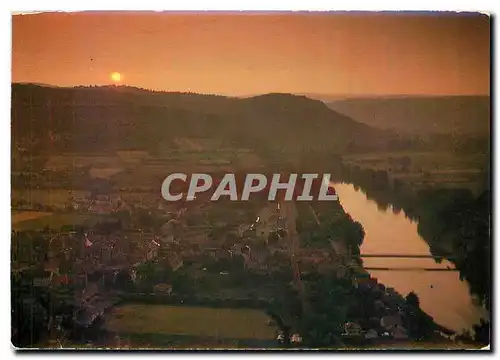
<point>191,322</point>
<point>427,161</point>
<point>70,161</point>
<point>249,161</point>
<point>20,216</point>
<point>31,220</point>
<point>419,345</point>
<point>48,196</point>
<point>104,173</point>
<point>443,169</point>
<point>188,144</point>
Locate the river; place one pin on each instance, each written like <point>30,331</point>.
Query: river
<point>442,294</point>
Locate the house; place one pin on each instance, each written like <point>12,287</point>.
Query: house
<point>52,266</point>
<point>90,291</point>
<point>175,261</point>
<point>90,312</point>
<point>237,249</point>
<point>371,334</point>
<point>170,227</point>
<point>390,322</point>
<point>163,289</point>
<point>280,337</point>
<point>102,197</point>
<point>62,280</point>
<point>216,253</point>
<point>152,250</point>
<point>44,280</point>
<point>196,236</point>
<point>242,229</point>
<point>352,329</point>
<point>133,275</point>
<point>85,317</point>
<point>266,225</point>
<point>296,339</point>
<point>168,239</point>
<point>399,333</point>
<point>366,282</point>
<point>259,254</point>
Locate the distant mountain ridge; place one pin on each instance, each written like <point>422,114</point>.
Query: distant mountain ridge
<point>113,117</point>
<point>38,84</point>
<point>460,115</point>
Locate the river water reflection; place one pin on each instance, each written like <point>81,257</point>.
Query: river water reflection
<point>442,294</point>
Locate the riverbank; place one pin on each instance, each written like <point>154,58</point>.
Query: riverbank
<point>453,221</point>
<point>360,308</point>
<point>443,294</point>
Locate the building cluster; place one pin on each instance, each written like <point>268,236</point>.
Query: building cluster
<point>386,315</point>
<point>92,262</point>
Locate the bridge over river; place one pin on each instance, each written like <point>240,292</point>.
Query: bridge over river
<point>395,253</point>
<point>404,256</point>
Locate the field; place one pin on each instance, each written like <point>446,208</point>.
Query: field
<point>20,216</point>
<point>249,161</point>
<point>427,161</point>
<point>132,156</point>
<point>195,323</point>
<point>444,169</point>
<point>187,144</point>
<point>32,220</point>
<point>104,173</point>
<point>50,197</point>
<point>70,161</point>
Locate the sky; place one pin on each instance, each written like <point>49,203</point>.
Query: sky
<point>253,53</point>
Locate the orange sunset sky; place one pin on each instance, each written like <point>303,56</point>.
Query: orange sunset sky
<point>252,53</point>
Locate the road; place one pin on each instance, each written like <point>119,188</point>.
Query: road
<point>315,215</point>
<point>288,212</point>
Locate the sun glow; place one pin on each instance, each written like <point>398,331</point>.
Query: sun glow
<point>116,77</point>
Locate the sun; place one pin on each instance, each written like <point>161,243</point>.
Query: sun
<point>116,77</point>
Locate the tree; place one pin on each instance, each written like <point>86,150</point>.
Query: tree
<point>329,300</point>
<point>482,332</point>
<point>420,325</point>
<point>412,300</point>
<point>29,312</point>
<point>146,272</point>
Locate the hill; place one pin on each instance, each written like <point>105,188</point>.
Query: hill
<point>108,118</point>
<point>458,115</point>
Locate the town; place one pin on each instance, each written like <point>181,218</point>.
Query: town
<point>99,251</point>
<point>289,181</point>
